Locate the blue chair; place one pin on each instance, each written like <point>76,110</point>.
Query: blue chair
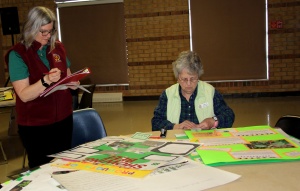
<point>87,126</point>
<point>290,124</point>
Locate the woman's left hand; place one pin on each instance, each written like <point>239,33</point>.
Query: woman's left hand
<point>73,85</point>
<point>207,123</point>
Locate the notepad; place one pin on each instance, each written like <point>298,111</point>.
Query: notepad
<point>67,81</point>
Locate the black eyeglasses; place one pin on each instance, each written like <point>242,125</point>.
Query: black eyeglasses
<point>46,32</point>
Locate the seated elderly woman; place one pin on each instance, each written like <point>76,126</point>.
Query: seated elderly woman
<point>191,103</point>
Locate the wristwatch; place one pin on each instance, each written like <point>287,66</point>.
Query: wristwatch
<point>216,121</point>
<point>215,118</point>
<point>44,83</point>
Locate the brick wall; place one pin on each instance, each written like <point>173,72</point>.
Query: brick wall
<point>284,46</point>
<point>156,31</point>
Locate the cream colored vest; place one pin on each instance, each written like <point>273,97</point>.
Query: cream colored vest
<point>203,102</point>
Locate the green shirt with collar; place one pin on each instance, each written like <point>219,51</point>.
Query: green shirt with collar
<point>18,69</point>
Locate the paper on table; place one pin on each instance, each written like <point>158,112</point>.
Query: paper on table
<point>92,181</point>
<point>140,154</point>
<point>247,145</point>
<point>193,177</point>
<point>38,180</point>
<point>297,141</point>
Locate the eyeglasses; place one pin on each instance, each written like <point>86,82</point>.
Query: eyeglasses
<point>46,32</point>
<point>186,80</point>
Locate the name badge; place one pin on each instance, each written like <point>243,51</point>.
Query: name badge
<point>203,105</point>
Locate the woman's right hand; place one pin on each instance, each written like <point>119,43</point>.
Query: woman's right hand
<point>53,76</point>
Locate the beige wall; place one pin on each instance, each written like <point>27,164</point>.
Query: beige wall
<point>158,30</point>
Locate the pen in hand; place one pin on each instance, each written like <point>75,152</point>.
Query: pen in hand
<point>47,73</point>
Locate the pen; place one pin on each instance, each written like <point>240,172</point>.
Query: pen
<point>183,162</point>
<point>47,73</point>
<point>63,172</point>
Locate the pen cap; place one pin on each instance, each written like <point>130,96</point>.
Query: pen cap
<point>163,132</point>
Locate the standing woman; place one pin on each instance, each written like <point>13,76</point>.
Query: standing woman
<point>45,123</point>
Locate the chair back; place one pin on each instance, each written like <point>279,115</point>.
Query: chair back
<point>290,124</point>
<point>87,126</point>
<point>86,100</point>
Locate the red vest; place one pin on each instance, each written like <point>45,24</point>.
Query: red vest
<point>43,110</point>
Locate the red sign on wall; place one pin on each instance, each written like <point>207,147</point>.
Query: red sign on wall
<point>276,24</point>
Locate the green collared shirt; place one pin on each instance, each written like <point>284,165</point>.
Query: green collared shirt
<point>18,70</point>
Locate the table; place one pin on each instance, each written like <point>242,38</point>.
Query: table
<point>7,103</point>
<point>255,177</point>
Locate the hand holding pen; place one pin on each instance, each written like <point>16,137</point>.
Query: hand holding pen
<point>53,75</point>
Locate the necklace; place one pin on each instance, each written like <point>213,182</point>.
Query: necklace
<point>40,53</point>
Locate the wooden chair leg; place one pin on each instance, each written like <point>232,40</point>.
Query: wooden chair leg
<point>4,155</point>
<point>24,158</point>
